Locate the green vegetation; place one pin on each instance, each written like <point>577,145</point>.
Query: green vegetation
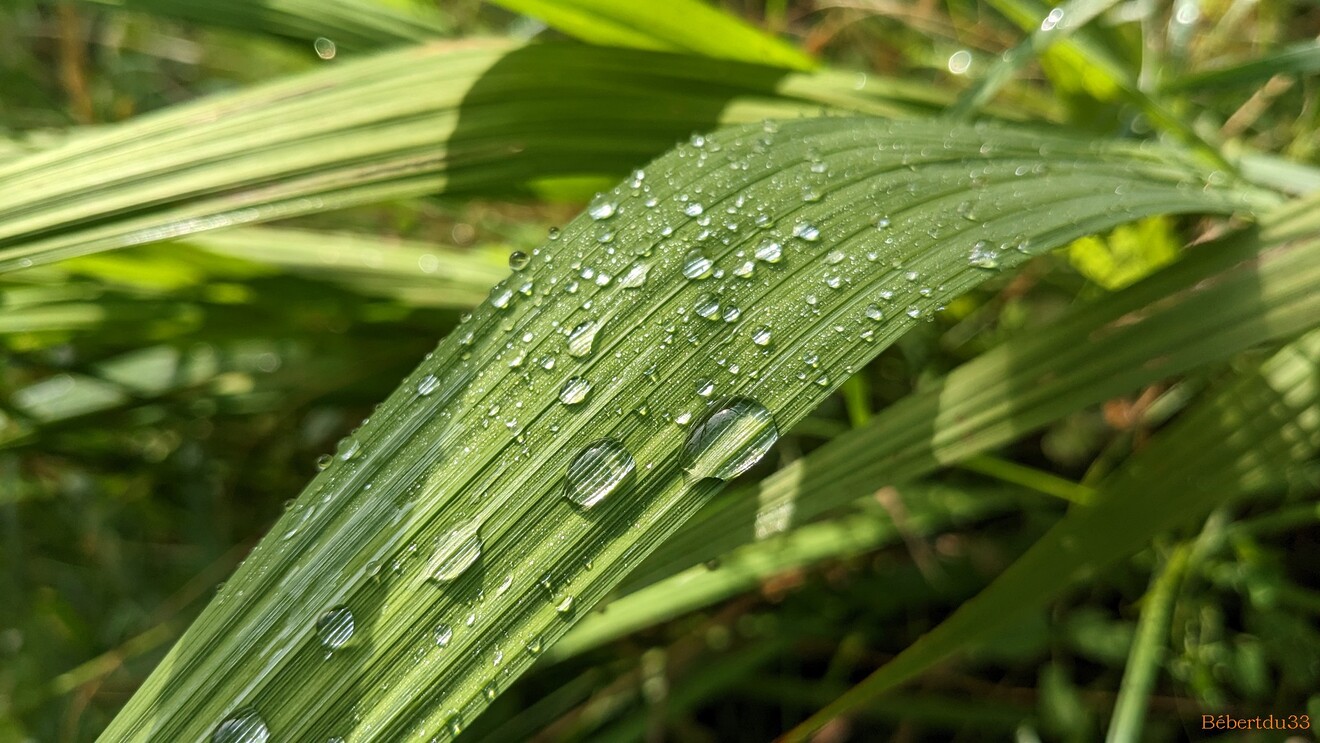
<point>810,371</point>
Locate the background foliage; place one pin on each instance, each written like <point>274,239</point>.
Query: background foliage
<point>161,403</point>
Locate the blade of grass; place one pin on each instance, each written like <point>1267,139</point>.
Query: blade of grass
<point>1246,439</point>
<point>1225,297</point>
<point>666,25</point>
<point>448,506</point>
<point>1148,650</point>
<point>1299,59</point>
<point>457,118</point>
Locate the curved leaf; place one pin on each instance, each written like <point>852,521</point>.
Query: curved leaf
<point>445,515</point>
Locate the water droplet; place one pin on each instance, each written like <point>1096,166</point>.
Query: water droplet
<point>731,313</point>
<point>455,552</point>
<point>427,385</point>
<point>243,726</point>
<point>635,276</point>
<point>553,233</point>
<point>983,255</point>
<point>351,447</point>
<point>705,387</point>
<point>960,61</point>
<point>806,231</point>
<point>443,634</point>
<point>602,207</point>
<point>1052,20</point>
<point>696,265</point>
<point>518,260</point>
<point>728,441</point>
<point>707,306</point>
<point>534,646</point>
<point>598,470</point>
<point>335,627</point>
<point>769,251</point>
<point>834,257</point>
<point>605,234</point>
<point>565,605</point>
<point>694,209</point>
<point>874,312</point>
<point>582,338</point>
<point>761,336</point>
<point>325,48</point>
<point>574,391</point>
<point>882,223</point>
<point>323,461</point>
<point>744,270</point>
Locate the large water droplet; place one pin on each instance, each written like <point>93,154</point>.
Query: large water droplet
<point>769,251</point>
<point>574,391</point>
<point>707,306</point>
<point>761,336</point>
<point>335,627</point>
<point>597,471</point>
<point>806,231</point>
<point>427,385</point>
<point>243,726</point>
<point>983,255</point>
<point>729,440</point>
<point>694,209</point>
<point>602,207</point>
<point>582,338</point>
<point>635,276</point>
<point>455,552</point>
<point>518,260</point>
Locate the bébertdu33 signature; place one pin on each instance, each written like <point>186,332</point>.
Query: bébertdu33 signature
<point>1262,722</point>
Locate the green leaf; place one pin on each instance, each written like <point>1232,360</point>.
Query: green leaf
<point>1300,59</point>
<point>448,507</point>
<point>666,25</point>
<point>458,118</point>
<point>1246,439</point>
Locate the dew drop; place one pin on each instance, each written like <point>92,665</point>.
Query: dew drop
<point>325,48</point>
<point>427,385</point>
<point>582,338</point>
<point>697,266</point>
<point>882,223</point>
<point>553,234</point>
<point>707,306</point>
<point>574,391</point>
<point>565,605</point>
<point>874,312</point>
<point>518,260</point>
<point>500,296</point>
<point>769,251</point>
<point>761,336</point>
<point>806,231</point>
<point>744,270</point>
<point>335,627</point>
<point>455,552</point>
<point>705,387</point>
<point>601,207</point>
<point>694,209</point>
<point>443,634</point>
<point>728,441</point>
<point>323,461</point>
<point>244,726</point>
<point>983,255</point>
<point>635,276</point>
<point>597,471</point>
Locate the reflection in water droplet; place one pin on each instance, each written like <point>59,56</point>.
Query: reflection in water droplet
<point>874,312</point>
<point>443,634</point>
<point>574,391</point>
<point>518,260</point>
<point>761,336</point>
<point>243,726</point>
<point>769,251</point>
<point>597,471</point>
<point>729,440</point>
<point>565,605</point>
<point>707,306</point>
<point>325,48</point>
<point>806,231</point>
<point>696,265</point>
<point>335,627</point>
<point>635,276</point>
<point>694,209</point>
<point>455,552</point>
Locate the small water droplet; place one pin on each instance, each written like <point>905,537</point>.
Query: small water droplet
<point>983,255</point>
<point>635,276</point>
<point>729,440</point>
<point>882,223</point>
<point>761,336</point>
<point>582,338</point>
<point>731,313</point>
<point>705,387</point>
<point>694,209</point>
<point>602,207</point>
<point>806,231</point>
<point>565,605</point>
<point>335,627</point>
<point>518,260</point>
<point>769,251</point>
<point>697,266</point>
<point>243,726</point>
<point>574,391</point>
<point>455,552</point>
<point>834,257</point>
<point>744,270</point>
<point>323,461</point>
<point>707,306</point>
<point>427,385</point>
<point>553,233</point>
<point>597,471</point>
<point>325,48</point>
<point>443,634</point>
<point>874,312</point>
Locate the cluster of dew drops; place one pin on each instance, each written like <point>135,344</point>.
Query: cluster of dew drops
<point>732,436</point>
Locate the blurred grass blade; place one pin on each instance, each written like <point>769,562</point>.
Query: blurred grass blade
<point>933,508</point>
<point>1148,650</point>
<point>1223,298</point>
<point>461,514</point>
<point>454,118</point>
<point>1300,59</point>
<point>351,24</point>
<point>1246,439</point>
<point>665,25</point>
